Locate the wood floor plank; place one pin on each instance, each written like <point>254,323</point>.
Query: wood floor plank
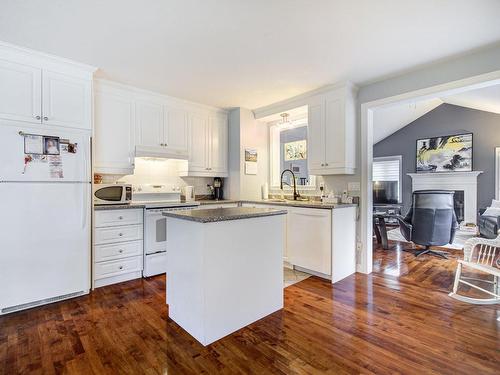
<point>398,320</point>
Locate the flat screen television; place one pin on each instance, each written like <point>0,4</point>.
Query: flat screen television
<point>385,192</point>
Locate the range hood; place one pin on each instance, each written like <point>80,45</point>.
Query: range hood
<point>159,152</point>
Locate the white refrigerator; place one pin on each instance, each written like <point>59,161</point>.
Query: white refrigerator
<point>45,219</point>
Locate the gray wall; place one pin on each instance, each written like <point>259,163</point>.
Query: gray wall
<point>448,119</point>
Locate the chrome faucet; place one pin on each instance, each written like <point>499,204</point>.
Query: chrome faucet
<point>295,193</point>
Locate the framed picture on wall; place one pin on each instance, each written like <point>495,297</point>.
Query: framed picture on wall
<point>450,153</point>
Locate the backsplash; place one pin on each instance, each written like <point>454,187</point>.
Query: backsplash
<point>160,172</point>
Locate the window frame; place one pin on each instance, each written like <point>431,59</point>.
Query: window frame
<point>399,158</point>
<point>275,153</point>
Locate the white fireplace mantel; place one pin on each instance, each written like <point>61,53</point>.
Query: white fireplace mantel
<point>466,181</point>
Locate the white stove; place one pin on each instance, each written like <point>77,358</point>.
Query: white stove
<point>157,199</point>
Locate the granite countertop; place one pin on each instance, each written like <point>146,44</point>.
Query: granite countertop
<point>223,214</point>
<point>101,207</point>
<point>305,204</point>
<point>213,201</point>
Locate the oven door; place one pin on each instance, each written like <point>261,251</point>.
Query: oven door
<point>155,232</point>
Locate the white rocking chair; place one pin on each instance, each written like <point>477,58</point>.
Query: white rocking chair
<point>480,254</point>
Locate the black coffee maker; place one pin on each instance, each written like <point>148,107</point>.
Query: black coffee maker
<point>218,192</point>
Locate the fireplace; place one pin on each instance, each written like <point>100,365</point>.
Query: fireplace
<point>459,203</point>
<point>463,183</point>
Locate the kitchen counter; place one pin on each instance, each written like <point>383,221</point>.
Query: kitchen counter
<point>223,214</point>
<point>100,207</point>
<point>224,273</point>
<point>204,202</point>
<point>305,204</point>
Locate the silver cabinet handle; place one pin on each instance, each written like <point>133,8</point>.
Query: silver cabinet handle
<point>38,117</point>
<point>121,267</point>
<point>120,251</point>
<point>45,118</point>
<point>120,234</point>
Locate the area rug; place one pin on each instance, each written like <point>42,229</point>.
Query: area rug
<point>460,237</point>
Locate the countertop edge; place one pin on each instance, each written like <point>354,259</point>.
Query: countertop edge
<point>215,218</point>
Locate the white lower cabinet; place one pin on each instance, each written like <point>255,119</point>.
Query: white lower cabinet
<point>118,246</point>
<point>319,241</point>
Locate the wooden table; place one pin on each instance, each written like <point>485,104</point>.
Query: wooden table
<point>380,228</point>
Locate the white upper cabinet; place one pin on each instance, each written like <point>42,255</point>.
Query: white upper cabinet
<point>161,129</point>
<point>208,145</point>
<point>133,123</point>
<point>113,131</point>
<point>20,92</point>
<point>43,89</point>
<point>66,101</point>
<point>175,131</point>
<point>316,133</point>
<point>198,144</point>
<point>332,132</point>
<point>218,148</point>
<point>149,124</point>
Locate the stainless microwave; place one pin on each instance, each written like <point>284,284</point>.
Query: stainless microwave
<point>112,193</point>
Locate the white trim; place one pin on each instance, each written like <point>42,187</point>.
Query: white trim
<point>497,173</point>
<point>43,60</point>
<point>300,100</point>
<point>107,84</point>
<point>274,158</point>
<point>483,80</point>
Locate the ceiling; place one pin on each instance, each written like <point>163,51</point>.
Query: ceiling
<point>389,120</point>
<point>249,53</point>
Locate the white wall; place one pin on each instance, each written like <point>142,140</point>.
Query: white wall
<point>246,132</point>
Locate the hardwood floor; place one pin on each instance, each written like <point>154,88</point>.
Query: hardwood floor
<point>397,320</point>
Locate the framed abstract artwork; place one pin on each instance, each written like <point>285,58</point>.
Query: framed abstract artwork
<point>450,153</point>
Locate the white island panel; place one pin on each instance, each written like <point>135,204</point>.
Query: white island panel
<point>222,276</point>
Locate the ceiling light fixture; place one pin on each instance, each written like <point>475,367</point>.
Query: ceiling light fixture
<point>285,121</point>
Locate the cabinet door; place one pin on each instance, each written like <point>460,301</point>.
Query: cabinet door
<point>198,142</point>
<point>335,130</point>
<point>114,133</point>
<point>316,134</point>
<point>309,242</point>
<point>66,101</point>
<point>176,130</point>
<point>218,145</point>
<point>149,124</point>
<point>20,92</point>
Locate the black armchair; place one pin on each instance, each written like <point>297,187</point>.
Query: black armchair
<point>431,220</point>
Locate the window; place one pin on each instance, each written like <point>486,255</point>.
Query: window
<point>387,186</point>
<point>288,150</point>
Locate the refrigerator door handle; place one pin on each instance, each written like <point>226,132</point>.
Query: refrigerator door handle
<point>85,205</point>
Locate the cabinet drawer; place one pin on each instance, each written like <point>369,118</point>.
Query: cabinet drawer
<point>127,216</point>
<point>117,267</point>
<point>118,234</point>
<point>117,251</point>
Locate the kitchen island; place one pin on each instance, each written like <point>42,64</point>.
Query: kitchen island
<point>224,268</point>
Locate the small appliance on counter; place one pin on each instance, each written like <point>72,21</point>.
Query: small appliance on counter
<point>158,199</point>
<point>218,191</point>
<point>189,194</point>
<point>112,194</point>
